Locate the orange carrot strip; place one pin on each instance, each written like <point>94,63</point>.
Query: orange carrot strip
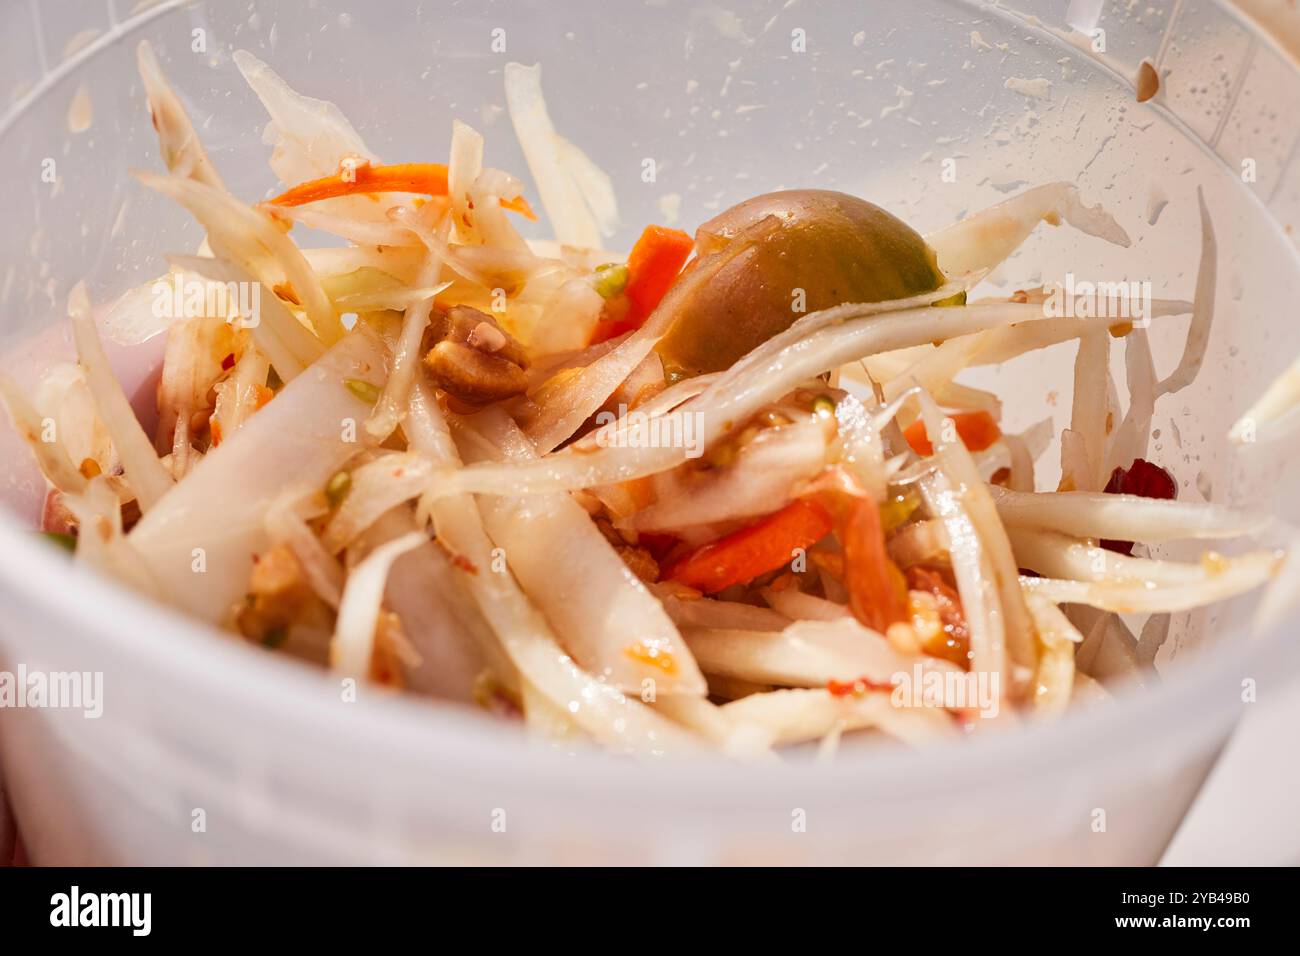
<point>426,179</point>
<point>977,430</point>
<point>654,265</point>
<point>655,262</point>
<point>763,546</point>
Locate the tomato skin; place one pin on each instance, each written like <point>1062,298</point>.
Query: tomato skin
<point>955,643</point>
<point>977,431</point>
<point>877,590</point>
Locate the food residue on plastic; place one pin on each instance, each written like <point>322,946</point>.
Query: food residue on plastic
<point>1148,81</point>
<point>81,113</point>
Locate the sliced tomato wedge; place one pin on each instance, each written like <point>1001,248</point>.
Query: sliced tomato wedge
<point>763,546</point>
<point>977,431</point>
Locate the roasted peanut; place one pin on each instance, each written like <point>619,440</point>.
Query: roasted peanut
<point>474,360</point>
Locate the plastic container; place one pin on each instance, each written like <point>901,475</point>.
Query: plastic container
<point>872,99</point>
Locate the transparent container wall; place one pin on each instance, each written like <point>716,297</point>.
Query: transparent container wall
<point>728,100</point>
<point>932,109</point>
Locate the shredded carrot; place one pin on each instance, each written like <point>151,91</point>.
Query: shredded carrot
<point>427,179</point>
<point>653,266</point>
<point>763,546</point>
<point>655,262</point>
<point>977,431</point>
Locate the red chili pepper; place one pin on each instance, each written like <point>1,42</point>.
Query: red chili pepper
<point>1145,480</point>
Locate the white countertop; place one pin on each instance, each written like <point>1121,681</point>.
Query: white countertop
<point>1246,814</point>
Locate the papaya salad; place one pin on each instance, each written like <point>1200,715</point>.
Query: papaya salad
<point>723,493</point>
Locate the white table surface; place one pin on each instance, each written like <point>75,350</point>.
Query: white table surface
<point>1247,813</point>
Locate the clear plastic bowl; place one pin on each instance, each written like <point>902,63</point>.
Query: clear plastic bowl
<point>868,98</point>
